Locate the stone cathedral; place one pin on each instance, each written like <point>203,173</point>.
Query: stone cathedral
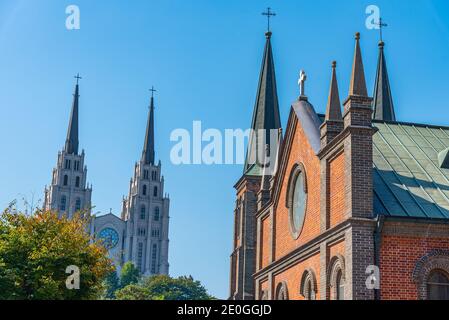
<point>140,235</point>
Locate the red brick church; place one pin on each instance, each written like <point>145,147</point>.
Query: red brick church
<point>357,206</point>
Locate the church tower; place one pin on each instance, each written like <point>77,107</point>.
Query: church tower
<point>145,210</point>
<point>266,126</point>
<point>69,192</point>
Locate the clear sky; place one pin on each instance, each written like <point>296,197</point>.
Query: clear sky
<point>204,59</point>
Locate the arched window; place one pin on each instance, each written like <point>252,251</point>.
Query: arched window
<point>282,291</point>
<point>155,192</point>
<point>431,275</point>
<point>142,212</point>
<point>308,287</point>
<point>156,214</point>
<point>63,204</point>
<point>336,278</point>
<point>340,285</point>
<point>438,285</point>
<point>144,190</point>
<point>77,182</point>
<point>66,180</point>
<point>78,204</point>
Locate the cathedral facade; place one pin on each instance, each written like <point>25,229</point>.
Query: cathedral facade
<point>357,206</point>
<point>140,235</point>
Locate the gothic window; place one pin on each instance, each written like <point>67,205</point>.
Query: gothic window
<point>77,182</point>
<point>308,285</point>
<point>282,291</point>
<point>340,284</point>
<point>264,295</point>
<point>140,256</point>
<point>145,174</point>
<point>438,285</point>
<point>155,233</point>
<point>78,204</point>
<point>153,175</point>
<point>142,212</point>
<point>76,165</point>
<point>431,275</point>
<point>297,199</point>
<point>144,190</point>
<point>67,164</point>
<point>336,274</point>
<point>153,258</point>
<point>141,232</point>
<point>66,180</point>
<point>155,192</point>
<point>63,204</point>
<point>156,214</point>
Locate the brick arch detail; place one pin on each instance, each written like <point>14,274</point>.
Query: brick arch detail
<point>281,289</point>
<point>335,264</point>
<point>437,259</point>
<point>308,275</point>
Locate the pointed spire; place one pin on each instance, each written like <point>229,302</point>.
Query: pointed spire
<point>71,143</point>
<point>266,110</point>
<point>148,147</point>
<point>333,109</point>
<point>358,83</point>
<point>383,100</point>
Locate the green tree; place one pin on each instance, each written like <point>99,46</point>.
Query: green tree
<point>111,285</point>
<point>129,275</point>
<point>35,251</point>
<point>163,287</point>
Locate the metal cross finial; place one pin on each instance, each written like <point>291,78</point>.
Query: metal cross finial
<point>77,77</point>
<point>269,14</point>
<point>381,25</point>
<point>152,90</point>
<point>301,82</point>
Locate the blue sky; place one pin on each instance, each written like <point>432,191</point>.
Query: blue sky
<point>204,58</point>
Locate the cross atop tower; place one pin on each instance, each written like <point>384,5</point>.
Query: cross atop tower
<point>78,78</point>
<point>381,25</point>
<point>152,90</point>
<point>269,14</point>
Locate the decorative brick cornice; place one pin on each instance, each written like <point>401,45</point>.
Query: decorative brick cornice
<point>423,229</point>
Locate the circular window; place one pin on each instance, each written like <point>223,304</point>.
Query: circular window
<point>109,238</point>
<point>297,200</point>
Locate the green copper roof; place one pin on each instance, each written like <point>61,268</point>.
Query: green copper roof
<point>408,180</point>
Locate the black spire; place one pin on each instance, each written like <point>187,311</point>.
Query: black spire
<point>358,83</point>
<point>148,147</point>
<point>383,101</point>
<point>266,111</point>
<point>333,109</point>
<point>71,143</point>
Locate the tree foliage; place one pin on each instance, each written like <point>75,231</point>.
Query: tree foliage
<point>129,274</point>
<point>163,287</point>
<point>111,284</point>
<point>35,251</point>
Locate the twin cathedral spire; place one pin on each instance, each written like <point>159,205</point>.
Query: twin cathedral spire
<point>69,191</point>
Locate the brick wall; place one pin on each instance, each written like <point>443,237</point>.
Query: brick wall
<point>336,195</point>
<point>301,152</point>
<point>265,242</point>
<point>398,258</point>
<point>292,277</point>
